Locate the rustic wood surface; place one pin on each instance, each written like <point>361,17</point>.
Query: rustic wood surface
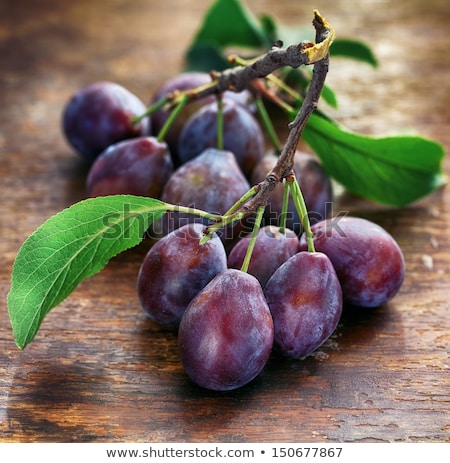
<point>99,370</point>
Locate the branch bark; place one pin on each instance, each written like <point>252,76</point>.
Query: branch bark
<point>239,78</point>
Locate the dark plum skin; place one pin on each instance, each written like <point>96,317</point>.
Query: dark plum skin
<point>99,115</point>
<point>211,182</point>
<point>175,270</point>
<point>226,334</point>
<point>305,299</point>
<point>242,134</point>
<point>272,248</point>
<point>181,82</point>
<point>367,259</point>
<point>315,185</point>
<point>138,166</point>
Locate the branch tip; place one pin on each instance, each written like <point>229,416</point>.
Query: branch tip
<point>325,34</point>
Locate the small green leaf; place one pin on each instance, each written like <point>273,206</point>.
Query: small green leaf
<point>228,22</point>
<point>72,245</point>
<point>204,57</point>
<point>393,170</point>
<point>354,49</point>
<point>269,27</point>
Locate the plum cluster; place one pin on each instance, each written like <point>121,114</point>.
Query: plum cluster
<point>186,166</point>
<point>230,308</point>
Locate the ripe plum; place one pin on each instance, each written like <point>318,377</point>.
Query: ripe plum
<point>305,299</point>
<point>272,248</point>
<point>174,271</point>
<point>138,166</point>
<point>242,134</point>
<point>315,185</point>
<point>226,333</point>
<point>367,259</point>
<point>99,115</point>
<point>211,181</point>
<point>181,82</point>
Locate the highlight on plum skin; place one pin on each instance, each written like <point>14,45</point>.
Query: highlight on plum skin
<point>368,261</point>
<point>225,336</point>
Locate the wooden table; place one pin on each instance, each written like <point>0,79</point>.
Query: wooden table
<point>99,370</point>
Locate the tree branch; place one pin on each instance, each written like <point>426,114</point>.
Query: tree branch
<point>239,78</point>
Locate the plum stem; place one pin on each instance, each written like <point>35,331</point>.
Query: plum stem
<point>172,116</point>
<point>300,205</point>
<point>151,109</point>
<point>230,216</point>
<point>284,207</point>
<point>251,244</point>
<point>193,211</point>
<point>267,122</point>
<point>220,124</point>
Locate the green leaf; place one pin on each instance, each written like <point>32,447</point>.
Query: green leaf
<point>72,245</point>
<point>204,57</point>
<point>226,23</point>
<point>393,170</point>
<point>354,49</point>
<point>269,27</point>
<point>329,96</point>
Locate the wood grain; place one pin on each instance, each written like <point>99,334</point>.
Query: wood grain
<point>99,371</point>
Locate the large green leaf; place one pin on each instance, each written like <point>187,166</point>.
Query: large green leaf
<point>228,22</point>
<point>72,245</point>
<point>393,170</point>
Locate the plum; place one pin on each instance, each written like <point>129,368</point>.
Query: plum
<point>99,115</point>
<point>305,299</point>
<point>187,81</point>
<point>211,182</point>
<point>242,134</point>
<point>175,270</point>
<point>138,166</point>
<point>368,261</point>
<point>226,333</point>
